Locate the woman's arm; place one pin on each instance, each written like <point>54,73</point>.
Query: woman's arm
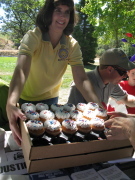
<point>84,85</point>
<point>16,86</point>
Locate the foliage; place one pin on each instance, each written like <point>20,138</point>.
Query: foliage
<point>112,19</point>
<point>19,17</point>
<point>83,33</point>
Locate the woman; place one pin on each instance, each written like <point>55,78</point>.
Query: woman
<point>44,54</point>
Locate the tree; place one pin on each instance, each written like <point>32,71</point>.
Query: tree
<point>19,17</point>
<point>83,34</point>
<point>112,18</point>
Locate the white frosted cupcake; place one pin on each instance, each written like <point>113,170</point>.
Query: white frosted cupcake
<point>81,107</point>
<point>45,115</point>
<point>92,106</point>
<point>35,128</point>
<point>69,107</point>
<point>27,107</point>
<point>88,114</point>
<point>53,127</point>
<point>32,115</point>
<point>75,114</point>
<point>41,106</point>
<point>61,115</point>
<point>69,126</point>
<point>97,124</point>
<point>56,107</point>
<point>83,125</point>
<point>101,113</point>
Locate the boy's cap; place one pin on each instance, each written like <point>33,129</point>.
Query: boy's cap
<point>116,57</point>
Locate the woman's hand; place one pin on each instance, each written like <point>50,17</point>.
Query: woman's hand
<point>14,114</point>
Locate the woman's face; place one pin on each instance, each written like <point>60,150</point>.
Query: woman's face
<point>131,75</point>
<point>60,18</point>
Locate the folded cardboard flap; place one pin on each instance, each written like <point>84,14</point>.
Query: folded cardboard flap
<point>76,160</point>
<point>75,148</point>
<point>26,141</point>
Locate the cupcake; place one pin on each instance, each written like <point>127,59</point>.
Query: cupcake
<point>101,113</point>
<point>61,115</point>
<point>32,115</point>
<point>56,107</point>
<point>35,128</point>
<point>41,106</point>
<point>97,124</point>
<point>83,125</point>
<point>81,107</point>
<point>69,107</point>
<point>53,127</point>
<point>69,126</point>
<point>46,115</point>
<point>92,106</point>
<point>27,107</point>
<point>88,114</point>
<point>75,114</point>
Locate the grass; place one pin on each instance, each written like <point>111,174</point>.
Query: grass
<point>7,65</point>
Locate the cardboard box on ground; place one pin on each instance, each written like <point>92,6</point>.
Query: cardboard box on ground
<point>59,156</point>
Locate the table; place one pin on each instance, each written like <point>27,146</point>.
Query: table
<point>127,167</point>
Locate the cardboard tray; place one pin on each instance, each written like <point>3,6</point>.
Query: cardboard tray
<point>68,155</point>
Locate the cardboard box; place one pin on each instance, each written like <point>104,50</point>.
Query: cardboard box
<point>69,155</point>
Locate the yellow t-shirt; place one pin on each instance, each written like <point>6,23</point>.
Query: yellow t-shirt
<point>48,65</point>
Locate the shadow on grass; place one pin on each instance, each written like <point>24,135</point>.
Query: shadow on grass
<point>90,66</point>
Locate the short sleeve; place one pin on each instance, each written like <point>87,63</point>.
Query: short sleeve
<point>118,93</point>
<point>75,54</point>
<point>30,42</point>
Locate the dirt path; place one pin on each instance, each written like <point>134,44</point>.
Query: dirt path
<point>63,96</point>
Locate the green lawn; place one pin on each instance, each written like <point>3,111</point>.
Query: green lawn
<point>7,65</point>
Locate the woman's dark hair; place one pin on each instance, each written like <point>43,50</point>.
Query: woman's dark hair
<point>44,17</point>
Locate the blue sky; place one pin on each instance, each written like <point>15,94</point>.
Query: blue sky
<point>76,1</point>
<point>1,12</point>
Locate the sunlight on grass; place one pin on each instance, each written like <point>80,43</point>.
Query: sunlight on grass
<point>67,78</point>
<point>7,64</point>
